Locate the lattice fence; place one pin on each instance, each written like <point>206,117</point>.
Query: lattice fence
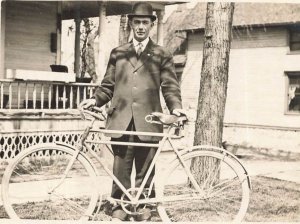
<point>11,144</point>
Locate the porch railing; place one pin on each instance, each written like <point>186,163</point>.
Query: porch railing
<point>18,96</point>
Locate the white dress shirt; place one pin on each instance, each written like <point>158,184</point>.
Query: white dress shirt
<point>144,44</point>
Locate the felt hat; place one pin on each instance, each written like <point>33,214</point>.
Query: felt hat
<point>142,9</point>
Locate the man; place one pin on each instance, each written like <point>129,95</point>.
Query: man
<point>135,74</point>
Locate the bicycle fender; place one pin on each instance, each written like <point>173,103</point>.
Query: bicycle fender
<point>221,150</point>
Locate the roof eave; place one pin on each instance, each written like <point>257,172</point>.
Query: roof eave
<point>91,8</point>
<point>245,26</point>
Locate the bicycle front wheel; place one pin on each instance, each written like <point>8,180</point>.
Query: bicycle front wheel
<point>36,185</point>
<point>213,187</point>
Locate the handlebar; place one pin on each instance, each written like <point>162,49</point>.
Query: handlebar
<point>155,117</point>
<point>161,118</point>
<point>94,112</point>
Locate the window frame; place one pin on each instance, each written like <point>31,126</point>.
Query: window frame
<point>288,74</point>
<point>294,29</point>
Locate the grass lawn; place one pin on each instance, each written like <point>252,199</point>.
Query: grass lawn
<point>271,200</point>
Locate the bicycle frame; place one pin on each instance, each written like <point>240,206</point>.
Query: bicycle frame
<point>166,137</point>
<point>215,184</point>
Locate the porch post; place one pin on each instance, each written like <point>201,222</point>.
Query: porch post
<point>101,47</point>
<point>58,32</point>
<point>2,39</point>
<point>77,43</point>
<point>160,28</point>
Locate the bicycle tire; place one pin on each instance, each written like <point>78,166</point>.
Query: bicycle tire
<point>29,177</point>
<point>223,195</point>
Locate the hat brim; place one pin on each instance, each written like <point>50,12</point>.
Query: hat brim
<point>152,17</point>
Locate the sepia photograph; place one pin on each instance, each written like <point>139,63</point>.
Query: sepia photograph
<point>149,111</point>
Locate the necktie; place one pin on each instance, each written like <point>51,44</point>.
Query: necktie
<point>140,49</point>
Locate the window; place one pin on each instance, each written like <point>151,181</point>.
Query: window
<point>293,93</point>
<point>295,38</point>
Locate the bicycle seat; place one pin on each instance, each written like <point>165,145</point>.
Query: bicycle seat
<point>167,119</point>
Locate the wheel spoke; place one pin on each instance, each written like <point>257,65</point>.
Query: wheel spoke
<point>71,203</point>
<point>231,183</point>
<point>223,190</point>
<point>208,178</point>
<point>37,171</point>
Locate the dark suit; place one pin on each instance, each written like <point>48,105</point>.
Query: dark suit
<point>133,84</point>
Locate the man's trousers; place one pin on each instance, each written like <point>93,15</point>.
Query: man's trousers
<point>125,156</point>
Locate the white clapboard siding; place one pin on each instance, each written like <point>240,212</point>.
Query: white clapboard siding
<point>28,28</point>
<point>256,88</point>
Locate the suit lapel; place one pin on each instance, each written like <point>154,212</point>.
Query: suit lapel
<point>131,55</point>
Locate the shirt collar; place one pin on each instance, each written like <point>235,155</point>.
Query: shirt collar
<point>144,43</point>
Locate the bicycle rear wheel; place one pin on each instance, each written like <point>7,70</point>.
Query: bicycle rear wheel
<point>221,192</point>
<point>33,186</point>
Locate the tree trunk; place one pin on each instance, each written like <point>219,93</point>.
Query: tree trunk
<point>90,57</point>
<point>84,38</point>
<point>124,30</point>
<point>213,83</point>
<point>88,36</point>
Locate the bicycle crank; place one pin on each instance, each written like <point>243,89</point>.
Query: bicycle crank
<point>129,207</point>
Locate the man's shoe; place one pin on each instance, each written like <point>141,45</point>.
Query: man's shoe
<point>119,214</point>
<point>144,215</point>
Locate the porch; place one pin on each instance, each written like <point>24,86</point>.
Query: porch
<point>33,97</point>
<point>33,112</point>
<point>42,108</point>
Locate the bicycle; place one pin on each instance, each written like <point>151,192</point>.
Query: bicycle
<point>63,180</point>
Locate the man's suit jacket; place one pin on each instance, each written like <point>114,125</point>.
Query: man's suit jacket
<point>133,84</point>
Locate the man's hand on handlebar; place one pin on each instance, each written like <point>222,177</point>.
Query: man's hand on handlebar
<point>85,104</point>
<point>88,107</point>
<point>179,112</point>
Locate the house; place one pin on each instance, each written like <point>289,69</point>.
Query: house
<point>263,96</point>
<point>38,103</point>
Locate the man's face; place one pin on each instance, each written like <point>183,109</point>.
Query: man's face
<point>141,27</point>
